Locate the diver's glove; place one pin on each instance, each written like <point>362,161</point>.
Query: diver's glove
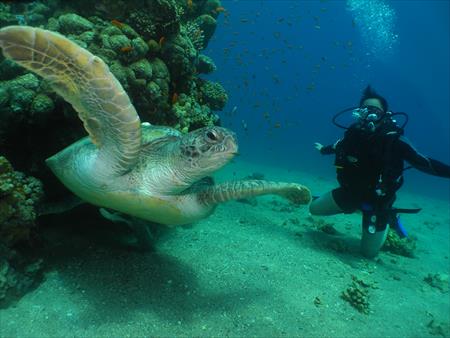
<point>326,150</point>
<point>318,146</point>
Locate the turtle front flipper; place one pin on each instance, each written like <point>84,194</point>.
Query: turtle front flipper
<point>295,193</point>
<point>84,81</point>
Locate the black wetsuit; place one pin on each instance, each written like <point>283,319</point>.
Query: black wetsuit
<point>359,178</point>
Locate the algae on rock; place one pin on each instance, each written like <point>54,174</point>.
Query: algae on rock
<point>19,198</point>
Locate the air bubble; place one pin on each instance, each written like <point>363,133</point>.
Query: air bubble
<point>375,20</point>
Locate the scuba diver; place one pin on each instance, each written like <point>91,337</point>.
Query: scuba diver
<point>369,164</point>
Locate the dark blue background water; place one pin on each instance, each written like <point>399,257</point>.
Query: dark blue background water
<point>288,66</point>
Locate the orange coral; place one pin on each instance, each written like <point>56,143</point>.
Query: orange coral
<point>220,9</point>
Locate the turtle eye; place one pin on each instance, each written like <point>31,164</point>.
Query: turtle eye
<point>211,136</point>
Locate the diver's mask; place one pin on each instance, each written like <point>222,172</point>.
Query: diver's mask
<point>369,116</point>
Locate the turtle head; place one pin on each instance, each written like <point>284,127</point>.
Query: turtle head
<point>205,150</point>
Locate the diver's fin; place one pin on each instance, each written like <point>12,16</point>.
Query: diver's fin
<point>405,210</point>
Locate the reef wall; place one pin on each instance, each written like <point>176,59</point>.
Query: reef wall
<point>153,47</point>
<point>19,198</point>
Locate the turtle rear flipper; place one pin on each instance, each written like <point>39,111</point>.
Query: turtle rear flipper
<point>50,208</point>
<point>144,232</point>
<point>145,235</point>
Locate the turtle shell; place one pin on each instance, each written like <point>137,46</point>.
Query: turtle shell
<point>152,132</point>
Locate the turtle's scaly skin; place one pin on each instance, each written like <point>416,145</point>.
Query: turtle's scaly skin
<point>153,173</point>
<point>293,192</point>
<point>158,188</point>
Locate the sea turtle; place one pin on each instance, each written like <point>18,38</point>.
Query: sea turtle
<point>150,172</point>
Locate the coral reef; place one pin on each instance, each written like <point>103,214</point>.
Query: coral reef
<point>205,64</point>
<point>73,24</point>
<point>18,274</point>
<point>31,128</point>
<point>438,281</point>
<point>213,94</point>
<point>154,49</point>
<point>399,246</point>
<point>191,115</point>
<point>31,13</point>
<point>207,25</point>
<point>19,197</point>
<point>357,294</point>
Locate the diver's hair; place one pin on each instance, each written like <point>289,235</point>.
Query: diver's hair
<point>370,93</point>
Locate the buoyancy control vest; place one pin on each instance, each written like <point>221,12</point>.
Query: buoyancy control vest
<point>366,162</point>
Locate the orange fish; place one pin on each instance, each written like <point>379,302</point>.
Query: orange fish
<point>161,41</point>
<point>190,3</point>
<point>126,49</point>
<point>117,23</point>
<point>174,98</point>
<point>220,9</point>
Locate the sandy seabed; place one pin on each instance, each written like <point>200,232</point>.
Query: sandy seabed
<point>246,271</point>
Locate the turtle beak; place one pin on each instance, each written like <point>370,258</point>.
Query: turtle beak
<point>232,147</point>
<point>231,144</point>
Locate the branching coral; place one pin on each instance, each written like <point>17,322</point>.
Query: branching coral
<point>194,34</point>
<point>212,94</point>
<point>208,25</point>
<point>155,18</point>
<point>144,24</point>
<point>19,196</point>
<point>399,246</point>
<point>205,65</point>
<point>357,294</point>
<point>191,115</point>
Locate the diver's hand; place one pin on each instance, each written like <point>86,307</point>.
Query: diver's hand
<point>318,146</point>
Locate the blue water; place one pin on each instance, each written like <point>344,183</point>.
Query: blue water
<point>288,66</point>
